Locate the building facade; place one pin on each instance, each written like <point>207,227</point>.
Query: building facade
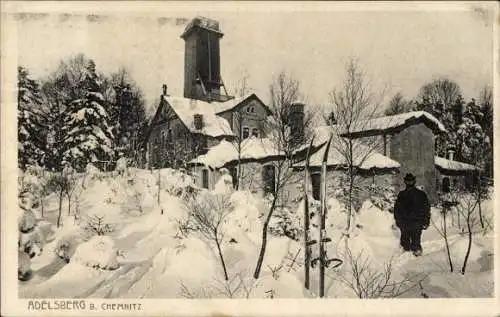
<point>186,127</point>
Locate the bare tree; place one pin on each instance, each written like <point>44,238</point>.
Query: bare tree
<point>284,91</point>
<point>354,105</point>
<point>467,206</point>
<point>62,183</point>
<point>207,214</point>
<point>442,228</point>
<point>441,91</point>
<point>236,286</point>
<point>397,105</point>
<point>238,121</point>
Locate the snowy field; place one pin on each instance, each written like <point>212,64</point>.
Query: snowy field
<point>125,238</point>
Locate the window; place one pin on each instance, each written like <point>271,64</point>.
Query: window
<point>316,185</point>
<point>246,133</point>
<point>204,178</point>
<point>234,175</point>
<point>255,132</point>
<point>446,185</point>
<point>169,136</point>
<point>269,180</point>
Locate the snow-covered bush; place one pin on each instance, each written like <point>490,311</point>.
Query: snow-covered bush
<point>91,173</point>
<point>382,197</point>
<point>99,253</point>
<point>66,246</point>
<point>27,220</point>
<point>177,183</point>
<point>121,165</point>
<point>286,223</point>
<point>224,185</point>
<point>31,242</point>
<point>98,225</point>
<point>31,239</point>
<point>24,272</point>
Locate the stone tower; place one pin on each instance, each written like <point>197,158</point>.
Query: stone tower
<point>202,78</point>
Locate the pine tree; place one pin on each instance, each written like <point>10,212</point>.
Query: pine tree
<point>486,122</point>
<point>87,133</point>
<point>127,111</point>
<point>31,121</point>
<point>475,143</point>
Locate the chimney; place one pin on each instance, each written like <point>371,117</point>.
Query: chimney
<point>450,154</point>
<point>296,122</point>
<point>198,121</point>
<point>165,90</point>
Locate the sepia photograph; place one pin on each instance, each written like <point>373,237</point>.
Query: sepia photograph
<point>247,151</point>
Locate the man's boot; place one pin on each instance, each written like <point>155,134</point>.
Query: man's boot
<point>417,253</point>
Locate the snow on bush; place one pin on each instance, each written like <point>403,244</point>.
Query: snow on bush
<point>27,220</point>
<point>31,242</point>
<point>31,180</point>
<point>287,223</point>
<point>97,224</point>
<point>121,165</point>
<point>245,220</point>
<point>66,246</point>
<point>382,197</point>
<point>99,253</point>
<point>24,272</point>
<point>224,185</point>
<point>175,182</point>
<point>373,220</point>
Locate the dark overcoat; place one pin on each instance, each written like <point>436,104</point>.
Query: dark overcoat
<point>412,209</point>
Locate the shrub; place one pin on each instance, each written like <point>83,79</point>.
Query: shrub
<point>99,253</point>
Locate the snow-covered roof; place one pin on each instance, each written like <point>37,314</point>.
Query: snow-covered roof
<point>453,165</point>
<point>366,158</point>
<point>186,108</point>
<point>380,125</point>
<point>224,106</point>
<point>252,149</point>
<point>229,104</point>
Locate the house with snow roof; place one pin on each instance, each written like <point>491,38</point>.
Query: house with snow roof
<point>199,131</point>
<point>406,144</point>
<point>186,127</point>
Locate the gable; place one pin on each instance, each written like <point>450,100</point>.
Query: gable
<point>237,104</point>
<point>163,114</point>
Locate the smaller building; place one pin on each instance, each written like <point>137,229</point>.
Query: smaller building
<point>453,175</point>
<point>371,167</point>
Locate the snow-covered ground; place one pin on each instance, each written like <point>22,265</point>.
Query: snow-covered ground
<point>144,254</point>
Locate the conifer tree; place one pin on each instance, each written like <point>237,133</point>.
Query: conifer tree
<point>31,121</point>
<point>87,132</point>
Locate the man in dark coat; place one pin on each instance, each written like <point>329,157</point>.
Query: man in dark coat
<point>412,215</point>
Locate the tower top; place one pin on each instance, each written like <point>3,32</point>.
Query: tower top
<point>202,23</point>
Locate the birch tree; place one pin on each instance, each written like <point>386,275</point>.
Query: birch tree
<point>284,91</point>
<point>354,105</point>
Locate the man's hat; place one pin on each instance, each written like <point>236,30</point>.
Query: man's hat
<point>409,178</point>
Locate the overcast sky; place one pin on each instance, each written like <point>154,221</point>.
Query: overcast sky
<point>400,50</point>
